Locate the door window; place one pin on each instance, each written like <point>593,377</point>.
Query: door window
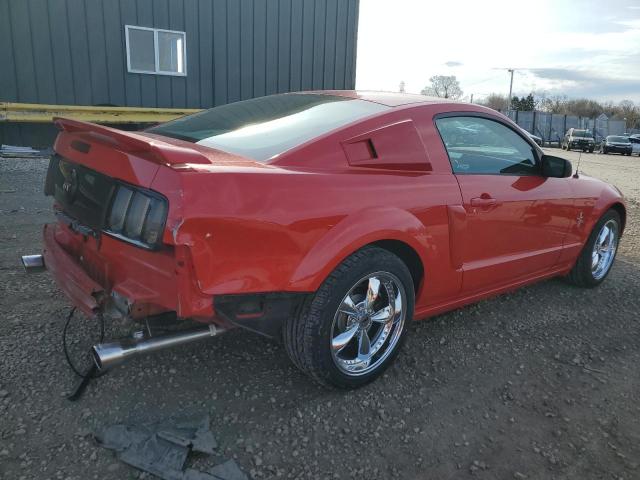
<point>481,146</point>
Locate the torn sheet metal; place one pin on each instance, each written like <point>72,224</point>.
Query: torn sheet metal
<point>162,448</point>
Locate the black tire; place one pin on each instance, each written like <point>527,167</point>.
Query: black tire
<point>581,274</point>
<point>591,150</point>
<point>307,336</point>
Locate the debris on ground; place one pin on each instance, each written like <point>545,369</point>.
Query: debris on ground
<point>276,424</point>
<point>162,448</point>
<point>12,151</point>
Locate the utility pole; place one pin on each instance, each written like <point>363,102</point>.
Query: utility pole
<point>471,98</point>
<point>510,70</point>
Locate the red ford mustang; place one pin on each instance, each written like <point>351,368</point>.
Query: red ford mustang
<point>326,219</point>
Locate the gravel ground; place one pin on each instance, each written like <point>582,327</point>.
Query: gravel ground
<point>539,384</point>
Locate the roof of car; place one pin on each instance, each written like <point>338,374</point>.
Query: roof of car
<point>391,99</point>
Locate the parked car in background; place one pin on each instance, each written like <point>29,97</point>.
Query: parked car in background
<point>536,139</point>
<point>616,144</point>
<point>578,139</point>
<point>329,220</point>
<point>533,137</point>
<point>635,144</point>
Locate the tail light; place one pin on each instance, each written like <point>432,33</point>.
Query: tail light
<point>137,216</point>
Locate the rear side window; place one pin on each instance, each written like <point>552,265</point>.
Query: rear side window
<point>618,139</point>
<point>582,134</point>
<point>264,127</point>
<point>478,145</point>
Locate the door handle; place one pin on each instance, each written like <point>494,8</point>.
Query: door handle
<point>483,201</point>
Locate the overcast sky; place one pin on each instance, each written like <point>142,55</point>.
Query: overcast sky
<point>581,48</point>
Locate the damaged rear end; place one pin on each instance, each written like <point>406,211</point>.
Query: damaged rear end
<point>112,250</point>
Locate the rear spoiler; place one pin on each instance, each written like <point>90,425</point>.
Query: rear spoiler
<point>156,150</point>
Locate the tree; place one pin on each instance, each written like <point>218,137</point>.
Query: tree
<point>443,86</point>
<point>524,104</point>
<point>631,112</point>
<point>401,88</point>
<point>584,107</point>
<point>495,101</point>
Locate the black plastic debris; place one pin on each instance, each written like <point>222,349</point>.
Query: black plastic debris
<point>162,448</point>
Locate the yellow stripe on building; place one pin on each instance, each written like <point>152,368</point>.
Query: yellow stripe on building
<point>40,113</point>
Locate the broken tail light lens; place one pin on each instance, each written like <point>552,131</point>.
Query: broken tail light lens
<point>137,216</point>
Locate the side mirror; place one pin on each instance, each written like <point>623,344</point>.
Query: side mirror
<point>556,167</point>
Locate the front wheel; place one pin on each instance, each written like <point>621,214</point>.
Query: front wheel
<point>349,332</point>
<point>597,256</point>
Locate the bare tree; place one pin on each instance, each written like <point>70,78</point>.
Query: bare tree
<point>443,86</point>
<point>629,111</point>
<point>495,101</point>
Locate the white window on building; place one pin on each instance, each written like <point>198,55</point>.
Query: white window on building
<point>152,50</point>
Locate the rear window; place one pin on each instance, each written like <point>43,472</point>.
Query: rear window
<point>582,133</point>
<point>262,128</point>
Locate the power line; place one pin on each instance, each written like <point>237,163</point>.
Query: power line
<point>494,77</point>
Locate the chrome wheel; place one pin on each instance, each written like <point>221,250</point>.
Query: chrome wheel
<point>604,249</point>
<point>368,323</point>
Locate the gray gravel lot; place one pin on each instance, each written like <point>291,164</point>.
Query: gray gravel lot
<point>541,383</point>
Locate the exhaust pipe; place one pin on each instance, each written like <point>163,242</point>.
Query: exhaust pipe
<point>108,355</point>
<point>33,263</point>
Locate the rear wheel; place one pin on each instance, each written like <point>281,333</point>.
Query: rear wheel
<point>353,327</point>
<point>597,256</point>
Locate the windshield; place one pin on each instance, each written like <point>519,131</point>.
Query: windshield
<point>582,133</point>
<point>264,127</point>
<point>618,139</point>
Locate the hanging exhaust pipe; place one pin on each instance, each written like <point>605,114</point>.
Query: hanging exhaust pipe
<point>108,355</point>
<point>33,263</point>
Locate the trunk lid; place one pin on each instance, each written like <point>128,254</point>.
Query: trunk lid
<point>149,148</point>
<point>93,164</point>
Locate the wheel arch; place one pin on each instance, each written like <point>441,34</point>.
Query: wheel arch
<point>622,211</point>
<point>409,257</point>
<point>403,235</point>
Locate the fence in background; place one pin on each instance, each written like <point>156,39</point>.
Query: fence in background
<point>551,127</point>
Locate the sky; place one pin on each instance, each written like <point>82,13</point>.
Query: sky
<point>575,48</point>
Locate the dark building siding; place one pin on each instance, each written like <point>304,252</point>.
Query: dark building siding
<point>73,51</point>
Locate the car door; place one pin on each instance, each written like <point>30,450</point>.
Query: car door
<point>516,219</point>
